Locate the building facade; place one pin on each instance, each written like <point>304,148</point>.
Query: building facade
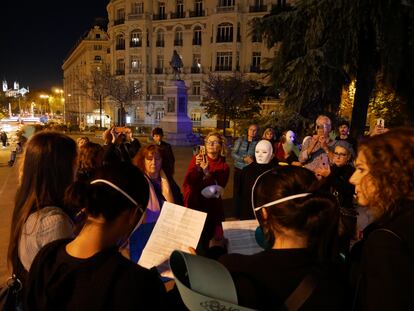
<point>90,53</point>
<point>210,36</point>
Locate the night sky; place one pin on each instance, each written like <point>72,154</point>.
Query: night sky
<point>36,37</point>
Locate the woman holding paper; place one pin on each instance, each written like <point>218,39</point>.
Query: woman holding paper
<point>300,228</point>
<point>206,177</point>
<point>88,272</point>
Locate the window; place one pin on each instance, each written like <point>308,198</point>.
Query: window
<point>224,61</point>
<point>196,88</point>
<point>225,32</point>
<point>120,66</point>
<point>197,35</point>
<point>160,38</point>
<point>196,115</point>
<point>97,47</point>
<point>226,3</point>
<point>120,17</point>
<point>97,36</point>
<point>137,8</point>
<point>178,37</point>
<point>180,9</point>
<point>196,67</point>
<point>136,38</point>
<point>256,56</point>
<point>198,6</point>
<point>135,64</point>
<point>161,10</point>
<point>160,64</point>
<point>256,37</point>
<point>120,42</point>
<point>160,87</point>
<point>97,58</point>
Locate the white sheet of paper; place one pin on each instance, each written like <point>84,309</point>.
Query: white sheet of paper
<point>178,227</point>
<point>240,235</point>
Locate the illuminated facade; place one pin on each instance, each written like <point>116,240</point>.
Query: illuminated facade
<point>210,36</point>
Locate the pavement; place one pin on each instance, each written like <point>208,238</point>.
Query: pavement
<point>9,181</point>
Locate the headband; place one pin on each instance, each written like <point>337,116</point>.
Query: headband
<point>104,181</point>
<point>291,197</point>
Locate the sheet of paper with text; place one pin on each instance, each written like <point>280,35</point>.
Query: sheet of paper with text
<point>178,227</point>
<point>241,236</point>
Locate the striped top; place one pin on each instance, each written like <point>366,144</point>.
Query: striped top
<point>42,227</point>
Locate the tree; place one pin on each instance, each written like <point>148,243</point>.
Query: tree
<point>101,85</point>
<point>231,97</point>
<point>324,44</point>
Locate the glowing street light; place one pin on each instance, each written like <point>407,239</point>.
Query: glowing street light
<point>60,92</point>
<point>45,97</point>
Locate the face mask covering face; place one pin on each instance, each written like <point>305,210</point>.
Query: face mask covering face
<point>263,152</point>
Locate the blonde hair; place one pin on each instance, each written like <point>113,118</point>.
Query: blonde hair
<point>222,140</point>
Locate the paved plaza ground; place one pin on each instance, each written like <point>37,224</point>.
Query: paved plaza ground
<point>9,177</point>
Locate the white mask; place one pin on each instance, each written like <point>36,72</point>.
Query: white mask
<point>263,152</point>
<point>290,137</point>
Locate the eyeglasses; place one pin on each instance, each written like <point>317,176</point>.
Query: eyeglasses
<point>339,154</point>
<point>212,143</point>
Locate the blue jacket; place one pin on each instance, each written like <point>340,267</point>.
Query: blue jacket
<point>241,149</point>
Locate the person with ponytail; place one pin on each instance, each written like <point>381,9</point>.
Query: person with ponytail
<point>300,228</point>
<point>89,272</point>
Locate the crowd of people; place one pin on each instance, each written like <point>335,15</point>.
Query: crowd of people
<point>85,211</point>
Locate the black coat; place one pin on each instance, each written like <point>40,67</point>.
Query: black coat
<point>382,264</point>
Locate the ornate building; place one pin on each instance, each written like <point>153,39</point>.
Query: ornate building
<point>210,36</point>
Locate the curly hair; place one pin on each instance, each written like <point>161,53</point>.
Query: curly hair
<point>222,139</point>
<point>390,158</point>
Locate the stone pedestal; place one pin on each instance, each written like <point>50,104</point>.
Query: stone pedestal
<point>177,126</point>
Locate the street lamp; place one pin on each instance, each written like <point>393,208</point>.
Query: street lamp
<point>62,100</point>
<point>45,97</point>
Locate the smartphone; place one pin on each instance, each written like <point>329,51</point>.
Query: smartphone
<point>380,123</point>
<point>202,150</point>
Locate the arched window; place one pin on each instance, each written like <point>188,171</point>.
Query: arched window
<point>225,32</point>
<point>178,37</point>
<point>136,38</point>
<point>120,42</point>
<point>197,35</point>
<point>160,38</point>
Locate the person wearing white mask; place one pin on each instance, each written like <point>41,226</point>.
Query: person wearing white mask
<point>264,161</point>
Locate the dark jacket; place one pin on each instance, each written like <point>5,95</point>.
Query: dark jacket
<point>382,263</point>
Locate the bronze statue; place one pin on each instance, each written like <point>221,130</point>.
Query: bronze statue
<point>176,64</point>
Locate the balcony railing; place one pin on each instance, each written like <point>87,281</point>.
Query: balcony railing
<point>258,8</point>
<point>224,9</point>
<point>119,21</point>
<point>120,47</point>
<point>196,41</point>
<point>120,72</point>
<point>178,42</point>
<point>135,16</point>
<point>160,43</point>
<point>177,15</point>
<point>135,70</point>
<point>158,71</point>
<point>223,68</point>
<point>157,17</point>
<point>224,39</point>
<point>135,44</point>
<point>198,13</point>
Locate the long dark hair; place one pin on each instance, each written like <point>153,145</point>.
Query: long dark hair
<point>47,170</point>
<point>314,216</point>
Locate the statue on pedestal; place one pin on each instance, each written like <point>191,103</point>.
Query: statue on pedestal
<point>176,64</point>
